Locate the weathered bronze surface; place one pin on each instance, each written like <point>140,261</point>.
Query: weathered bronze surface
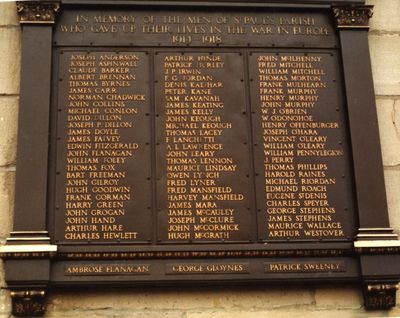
<point>180,142</point>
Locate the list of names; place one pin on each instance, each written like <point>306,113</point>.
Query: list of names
<point>203,191</point>
<point>299,147</point>
<point>102,104</point>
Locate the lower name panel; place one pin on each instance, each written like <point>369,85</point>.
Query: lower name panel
<point>204,271</point>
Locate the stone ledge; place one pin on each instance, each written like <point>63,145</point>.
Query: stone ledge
<point>248,298</point>
<point>115,313</point>
<point>294,312</point>
<point>338,297</point>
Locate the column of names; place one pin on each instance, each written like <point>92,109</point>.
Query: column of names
<point>202,200</point>
<point>99,112</point>
<point>300,147</point>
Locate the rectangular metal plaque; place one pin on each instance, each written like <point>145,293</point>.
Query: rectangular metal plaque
<point>229,142</point>
<point>189,129</point>
<point>198,142</point>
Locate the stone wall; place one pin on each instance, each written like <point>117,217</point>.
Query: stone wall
<point>248,302</point>
<point>10,48</point>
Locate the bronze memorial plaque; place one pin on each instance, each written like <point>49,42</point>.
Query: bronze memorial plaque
<point>229,143</point>
<point>195,132</point>
<point>199,142</point>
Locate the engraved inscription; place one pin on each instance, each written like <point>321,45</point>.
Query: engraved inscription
<point>102,194</point>
<point>112,269</point>
<point>189,28</point>
<point>305,267</point>
<point>299,149</point>
<point>207,268</point>
<point>202,149</point>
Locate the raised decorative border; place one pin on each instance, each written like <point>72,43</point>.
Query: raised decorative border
<point>197,254</point>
